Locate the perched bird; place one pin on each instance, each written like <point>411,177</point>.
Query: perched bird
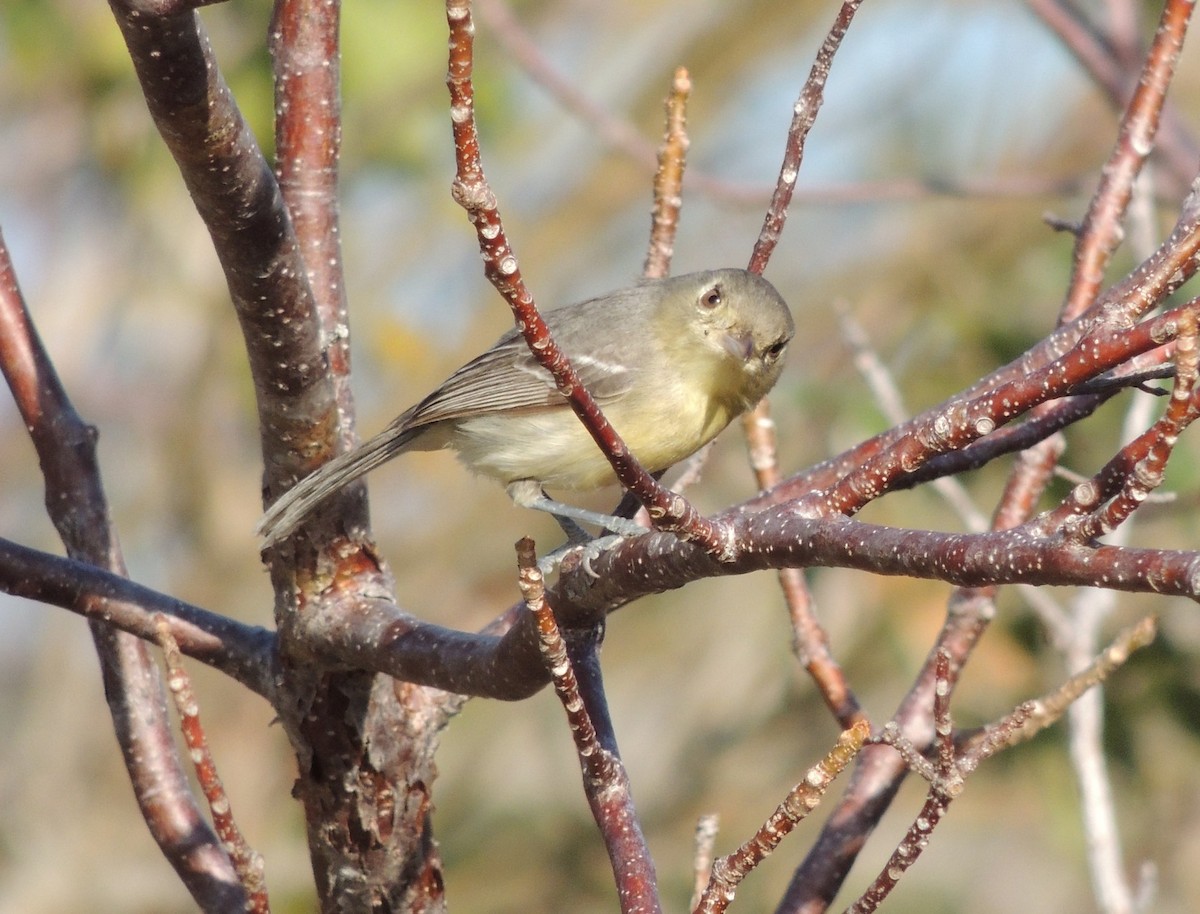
<point>670,362</point>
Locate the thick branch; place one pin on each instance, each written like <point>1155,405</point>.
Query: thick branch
<point>778,538</point>
<point>372,634</point>
<point>236,194</point>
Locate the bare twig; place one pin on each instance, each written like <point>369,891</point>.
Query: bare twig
<point>1045,711</point>
<point>1101,232</point>
<point>810,642</point>
<point>1138,469</point>
<point>668,179</point>
<point>702,861</point>
<point>729,871</point>
<point>1111,62</point>
<point>604,779</point>
<point>948,772</point>
<point>472,192</point>
<point>247,862</point>
<point>803,118</point>
<point>945,783</point>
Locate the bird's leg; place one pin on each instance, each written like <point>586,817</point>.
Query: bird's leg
<point>576,535</point>
<point>529,494</point>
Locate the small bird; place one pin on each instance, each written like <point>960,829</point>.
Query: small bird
<point>671,362</point>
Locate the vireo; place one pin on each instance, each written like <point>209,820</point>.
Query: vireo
<point>670,362</point>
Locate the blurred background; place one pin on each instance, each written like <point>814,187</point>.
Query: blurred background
<point>949,130</point>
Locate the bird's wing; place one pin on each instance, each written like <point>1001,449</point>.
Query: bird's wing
<point>507,378</point>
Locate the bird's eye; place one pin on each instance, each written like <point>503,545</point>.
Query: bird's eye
<point>775,350</point>
<point>712,297</point>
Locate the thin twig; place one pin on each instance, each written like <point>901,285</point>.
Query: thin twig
<point>1146,474</point>
<point>1101,232</point>
<point>605,781</point>
<point>1109,62</point>
<point>804,116</point>
<point>473,193</point>
<point>729,871</point>
<point>1045,711</point>
<point>810,641</point>
<point>668,179</point>
<point>247,862</point>
<point>948,772</point>
<point>702,859</point>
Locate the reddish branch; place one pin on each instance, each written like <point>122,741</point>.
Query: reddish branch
<point>1112,64</point>
<point>668,180</point>
<point>605,781</point>
<point>1100,232</point>
<point>805,114</point>
<point>1148,285</point>
<point>968,419</point>
<point>308,131</point>
<point>236,194</point>
<point>365,745</point>
<point>472,192</point>
<point>1047,710</point>
<point>372,635</point>
<point>945,784</point>
<point>1099,505</point>
<point>306,59</point>
<point>246,861</point>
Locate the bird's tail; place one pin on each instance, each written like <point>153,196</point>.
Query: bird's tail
<point>285,515</point>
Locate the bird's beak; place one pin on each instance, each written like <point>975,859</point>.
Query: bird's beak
<point>740,345</point>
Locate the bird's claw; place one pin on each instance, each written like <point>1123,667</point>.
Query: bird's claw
<point>588,553</point>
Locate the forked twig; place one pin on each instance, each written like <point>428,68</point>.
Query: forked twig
<point>953,763</point>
